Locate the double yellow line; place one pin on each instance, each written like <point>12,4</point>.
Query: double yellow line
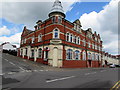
<point>116,86</point>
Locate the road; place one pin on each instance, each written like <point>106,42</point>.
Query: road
<point>21,73</point>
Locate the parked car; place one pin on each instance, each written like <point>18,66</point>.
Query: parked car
<point>112,65</point>
<point>117,65</point>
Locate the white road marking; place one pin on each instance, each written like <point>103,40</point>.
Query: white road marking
<point>35,70</point>
<point>41,70</point>
<point>21,68</point>
<point>90,73</point>
<point>59,79</point>
<point>11,73</point>
<point>1,74</point>
<point>103,71</point>
<point>93,72</point>
<point>87,73</point>
<point>16,65</point>
<point>12,63</point>
<point>28,70</point>
<point>6,59</point>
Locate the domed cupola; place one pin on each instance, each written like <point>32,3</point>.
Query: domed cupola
<point>57,9</point>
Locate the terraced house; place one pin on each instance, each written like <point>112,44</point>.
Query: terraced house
<point>61,43</point>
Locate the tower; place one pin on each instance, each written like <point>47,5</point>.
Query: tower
<point>57,9</point>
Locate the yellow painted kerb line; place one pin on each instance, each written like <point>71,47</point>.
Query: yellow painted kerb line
<point>116,86</point>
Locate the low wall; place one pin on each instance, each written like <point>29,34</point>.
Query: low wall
<point>74,64</point>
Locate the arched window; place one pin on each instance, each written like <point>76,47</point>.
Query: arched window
<point>93,57</point>
<point>39,37</point>
<point>21,52</point>
<point>96,56</point>
<point>53,19</point>
<point>77,55</point>
<point>89,44</point>
<point>67,37</point>
<point>56,33</point>
<point>84,56</point>
<point>75,39</point>
<point>40,53</point>
<point>69,54</point>
<point>99,57</point>
<point>74,26</point>
<point>78,40</point>
<point>96,47</point>
<point>71,38</point>
<point>32,53</point>
<point>93,46</point>
<point>26,51</point>
<point>89,56</point>
<point>59,19</point>
<point>84,43</point>
<point>25,40</point>
<point>33,39</point>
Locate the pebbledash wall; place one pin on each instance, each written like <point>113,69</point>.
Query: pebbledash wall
<point>60,43</point>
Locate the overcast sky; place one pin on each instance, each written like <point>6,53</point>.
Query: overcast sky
<point>101,16</point>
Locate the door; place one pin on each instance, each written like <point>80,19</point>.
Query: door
<point>55,57</point>
<point>90,63</point>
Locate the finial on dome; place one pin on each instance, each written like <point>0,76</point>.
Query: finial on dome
<point>57,9</point>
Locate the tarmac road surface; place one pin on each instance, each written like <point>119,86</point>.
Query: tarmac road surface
<point>21,73</point>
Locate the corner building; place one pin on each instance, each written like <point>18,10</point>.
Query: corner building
<point>60,43</point>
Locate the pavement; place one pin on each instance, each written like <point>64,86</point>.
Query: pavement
<point>21,73</point>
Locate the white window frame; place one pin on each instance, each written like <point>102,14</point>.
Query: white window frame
<point>75,39</point>
<point>40,37</point>
<point>93,56</point>
<point>96,56</point>
<point>54,33</point>
<point>67,36</point>
<point>93,46</point>
<point>69,54</point>
<point>89,55</point>
<point>89,44</point>
<point>77,27</point>
<point>84,43</point>
<point>53,19</point>
<point>33,39</point>
<point>32,54</point>
<point>77,55</point>
<point>25,40</point>
<point>71,38</point>
<point>78,40</point>
<point>84,55</point>
<point>40,53</point>
<point>59,19</point>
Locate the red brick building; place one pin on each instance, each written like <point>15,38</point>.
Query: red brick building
<point>61,43</point>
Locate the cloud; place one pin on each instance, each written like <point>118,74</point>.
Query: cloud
<point>106,24</point>
<point>4,31</point>
<point>14,39</point>
<point>28,13</point>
